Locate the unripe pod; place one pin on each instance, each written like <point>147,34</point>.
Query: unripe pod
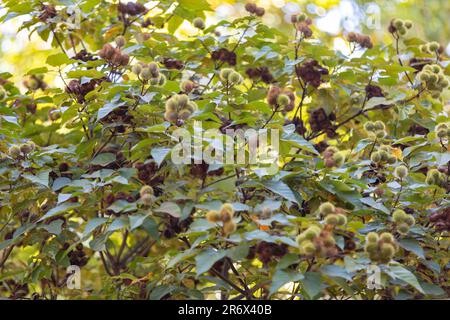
<point>260,11</point>
<point>213,216</point>
<point>339,158</point>
<point>332,219</point>
<point>184,114</point>
<point>380,134</point>
<point>229,227</point>
<point>14,151</point>
<point>401,172</point>
<point>199,23</point>
<point>283,100</point>
<point>224,73</point>
<point>408,24</point>
<point>147,199</point>
<point>146,190</point>
<point>227,212</point>
<point>372,237</point>
<point>187,86</point>
<point>371,247</point>
<point>25,148</point>
<point>403,228</point>
<point>433,46</point>
<point>308,248</point>
<point>379,125</point>
<point>145,74</point>
<point>442,133</point>
<point>375,157</point>
<point>234,78</point>
<point>170,116</point>
<point>120,41</point>
<point>326,208</point>
<point>398,215</point>
<point>387,250</point>
<point>409,220</point>
<point>342,219</point>
<point>369,126</point>
<point>387,237</point>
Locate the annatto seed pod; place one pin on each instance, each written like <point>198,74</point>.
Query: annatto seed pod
<point>146,190</point>
<point>187,86</point>
<point>229,227</point>
<point>326,208</point>
<point>301,17</point>
<point>213,216</point>
<point>227,212</point>
<point>147,199</point>
<point>260,11</point>
<point>379,125</point>
<point>433,176</point>
<point>107,52</point>
<point>26,148</point>
<point>375,157</point>
<point>372,237</point>
<point>387,237</point>
<point>371,247</point>
<point>145,74</point>
<point>199,23</point>
<point>369,126</point>
<point>250,7</point>
<point>403,228</point>
<point>307,248</point>
<point>184,114</point>
<point>433,46</point>
<point>283,100</point>
<point>116,58</point>
<point>387,250</point>
<point>124,59</point>
<point>339,158</point>
<point>234,78</point>
<point>182,100</point>
<point>398,23</point>
<point>120,41</point>
<point>162,80</point>
<point>224,74</point>
<point>424,48</point>
<point>311,232</point>
<point>409,220</point>
<point>342,219</point>
<point>398,215</point>
<point>391,159</point>
<point>171,116</point>
<point>332,219</point>
<point>14,151</point>
<point>442,133</point>
<point>380,134</point>
<point>171,104</point>
<point>408,24</point>
<point>401,172</point>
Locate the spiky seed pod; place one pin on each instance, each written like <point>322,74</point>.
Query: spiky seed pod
<point>25,148</point>
<point>339,158</point>
<point>184,114</point>
<point>283,100</point>
<point>161,80</point>
<point>401,172</point>
<point>301,17</point>
<point>387,250</point>
<point>398,215</point>
<point>409,220</point>
<point>372,237</point>
<point>371,247</point>
<point>171,116</point>
<point>442,134</point>
<point>311,232</point>
<point>187,86</point>
<point>369,126</point>
<point>307,248</point>
<point>234,78</point>
<point>387,237</point>
<point>403,228</point>
<point>332,219</point>
<point>384,155</point>
<point>326,208</point>
<point>329,242</point>
<point>375,157</point>
<point>342,219</point>
<point>14,151</point>
<point>391,159</point>
<point>120,41</point>
<point>433,46</point>
<point>225,73</point>
<point>199,23</point>
<point>380,134</point>
<point>250,7</point>
<point>213,216</point>
<point>229,227</point>
<point>260,11</point>
<point>227,208</point>
<point>379,125</point>
<point>136,69</point>
<point>147,199</point>
<point>145,74</point>
<point>408,24</point>
<point>146,190</point>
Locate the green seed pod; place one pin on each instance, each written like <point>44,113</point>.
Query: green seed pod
<point>398,23</point>
<point>182,100</point>
<point>379,125</point>
<point>398,215</point>
<point>408,24</point>
<point>146,190</point>
<point>342,219</point>
<point>442,133</point>
<point>213,216</point>
<point>147,199</point>
<point>311,232</point>
<point>387,237</point>
<point>436,69</point>
<point>401,172</point>
<point>372,237</point>
<point>433,46</point>
<point>384,155</point>
<point>371,247</point>
<point>283,100</point>
<point>301,17</point>
<point>326,208</point>
<point>409,220</point>
<point>191,106</point>
<point>403,228</point>
<point>300,238</point>
<point>391,160</point>
<point>380,134</point>
<point>136,69</point>
<point>424,48</point>
<point>375,157</point>
<point>161,80</point>
<point>329,242</point>
<point>332,219</point>
<point>25,148</point>
<point>234,78</point>
<point>339,158</point>
<point>224,73</point>
<point>145,74</point>
<point>402,31</point>
<point>387,250</point>
<point>369,126</point>
<point>14,151</point>
<point>307,247</point>
<point>120,41</point>
<point>199,23</point>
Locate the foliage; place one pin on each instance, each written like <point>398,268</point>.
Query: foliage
<point>87,178</point>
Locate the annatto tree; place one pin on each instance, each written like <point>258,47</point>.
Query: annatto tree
<point>358,207</point>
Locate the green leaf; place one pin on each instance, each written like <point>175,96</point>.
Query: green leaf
<point>413,246</point>
<point>41,178</point>
<point>171,208</point>
<point>103,159</point>
<point>312,284</point>
<point>58,59</point>
<point>62,208</point>
<point>159,154</point>
<point>397,271</point>
<point>92,225</point>
<point>205,260</point>
<point>279,187</point>
<point>282,277</point>
<point>373,204</point>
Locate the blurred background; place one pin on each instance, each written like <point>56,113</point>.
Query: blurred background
<point>334,18</point>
